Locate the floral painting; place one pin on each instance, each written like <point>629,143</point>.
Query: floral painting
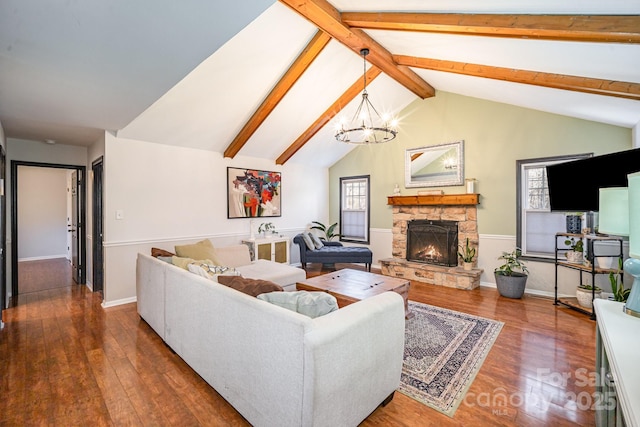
<point>253,193</point>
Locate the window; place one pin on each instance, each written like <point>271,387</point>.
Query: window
<point>536,224</point>
<point>354,209</point>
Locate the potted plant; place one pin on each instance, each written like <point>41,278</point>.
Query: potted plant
<point>577,248</point>
<point>584,293</point>
<point>617,289</point>
<point>329,233</point>
<point>267,229</point>
<point>509,281</point>
<point>466,254</point>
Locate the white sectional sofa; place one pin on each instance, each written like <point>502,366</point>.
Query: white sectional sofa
<point>275,366</point>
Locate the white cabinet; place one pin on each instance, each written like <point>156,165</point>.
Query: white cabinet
<point>617,374</point>
<point>269,248</point>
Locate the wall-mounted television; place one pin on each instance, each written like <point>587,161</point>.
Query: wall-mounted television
<point>574,186</point>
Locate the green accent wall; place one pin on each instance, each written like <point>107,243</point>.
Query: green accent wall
<point>495,136</point>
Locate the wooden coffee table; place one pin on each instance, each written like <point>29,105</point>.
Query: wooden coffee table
<point>349,286</point>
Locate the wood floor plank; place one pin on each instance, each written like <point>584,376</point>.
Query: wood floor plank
<point>67,361</point>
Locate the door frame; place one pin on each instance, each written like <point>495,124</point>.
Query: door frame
<point>82,204</point>
<point>97,226</point>
<point>3,232</point>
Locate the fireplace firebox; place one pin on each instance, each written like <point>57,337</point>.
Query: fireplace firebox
<point>433,242</point>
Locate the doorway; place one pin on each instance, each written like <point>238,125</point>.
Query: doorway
<point>97,226</point>
<point>75,225</point>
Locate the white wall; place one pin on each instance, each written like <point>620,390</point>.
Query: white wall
<point>169,195</point>
<point>42,210</point>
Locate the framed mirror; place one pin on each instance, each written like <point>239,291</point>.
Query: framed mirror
<point>435,165</point>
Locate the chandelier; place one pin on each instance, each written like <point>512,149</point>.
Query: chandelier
<point>366,127</point>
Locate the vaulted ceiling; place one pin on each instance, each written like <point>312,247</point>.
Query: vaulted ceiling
<point>267,79</point>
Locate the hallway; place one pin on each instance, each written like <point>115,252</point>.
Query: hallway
<point>41,275</point>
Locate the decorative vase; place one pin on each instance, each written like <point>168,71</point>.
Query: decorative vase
<point>511,286</point>
<point>584,297</point>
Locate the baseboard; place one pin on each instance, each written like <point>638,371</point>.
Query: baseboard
<point>535,292</point>
<point>40,258</point>
<point>119,302</point>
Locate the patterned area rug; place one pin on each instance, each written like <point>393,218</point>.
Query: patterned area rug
<point>443,352</point>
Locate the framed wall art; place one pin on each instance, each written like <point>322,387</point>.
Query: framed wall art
<point>253,193</point>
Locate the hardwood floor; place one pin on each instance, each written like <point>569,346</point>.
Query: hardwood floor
<point>34,276</point>
<point>66,361</point>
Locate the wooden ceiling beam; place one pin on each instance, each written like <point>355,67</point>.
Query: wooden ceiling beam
<point>581,28</point>
<point>286,82</point>
<point>557,81</point>
<point>330,113</point>
<point>326,17</point>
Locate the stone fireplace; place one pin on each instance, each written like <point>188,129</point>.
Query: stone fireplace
<point>432,242</point>
<point>443,210</point>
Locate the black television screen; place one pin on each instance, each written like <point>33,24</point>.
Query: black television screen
<point>574,186</point>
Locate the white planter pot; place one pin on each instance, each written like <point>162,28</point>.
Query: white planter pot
<point>584,297</point>
<point>605,261</point>
<point>574,257</point>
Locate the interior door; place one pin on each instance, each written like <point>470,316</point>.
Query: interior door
<point>73,229</point>
<point>97,224</point>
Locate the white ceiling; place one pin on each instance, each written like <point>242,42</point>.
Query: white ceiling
<point>191,73</point>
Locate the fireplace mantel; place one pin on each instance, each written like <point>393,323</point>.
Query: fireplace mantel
<point>435,199</point>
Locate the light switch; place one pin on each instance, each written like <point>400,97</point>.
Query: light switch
<point>119,214</point>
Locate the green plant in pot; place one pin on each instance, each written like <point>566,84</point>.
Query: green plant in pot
<point>577,248</point>
<point>511,277</point>
<point>329,231</point>
<point>585,295</point>
<point>617,289</point>
<point>466,254</point>
<point>267,229</point>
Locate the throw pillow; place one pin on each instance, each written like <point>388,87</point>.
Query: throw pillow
<point>308,241</point>
<point>201,250</point>
<point>211,272</point>
<point>184,262</point>
<point>156,252</point>
<point>312,304</point>
<point>316,241</point>
<point>253,287</point>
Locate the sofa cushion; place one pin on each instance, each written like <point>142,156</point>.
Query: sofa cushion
<point>312,304</point>
<point>307,241</point>
<point>253,287</point>
<point>201,250</point>
<point>283,274</point>
<point>157,252</point>
<point>317,243</point>
<point>234,255</point>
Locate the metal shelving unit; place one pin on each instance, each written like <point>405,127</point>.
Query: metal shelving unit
<point>590,268</point>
